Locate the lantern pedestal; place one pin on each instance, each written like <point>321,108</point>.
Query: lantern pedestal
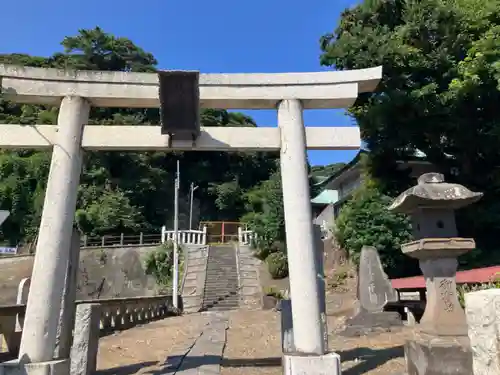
<point>440,344</point>
<point>443,314</point>
<point>440,340</point>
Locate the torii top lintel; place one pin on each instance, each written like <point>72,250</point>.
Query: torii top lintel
<point>316,90</point>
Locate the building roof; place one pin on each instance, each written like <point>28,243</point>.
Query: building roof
<point>326,197</point>
<point>329,195</point>
<point>419,156</point>
<point>325,182</point>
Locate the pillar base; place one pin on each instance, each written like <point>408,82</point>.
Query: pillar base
<point>311,364</point>
<point>57,367</point>
<point>437,355</point>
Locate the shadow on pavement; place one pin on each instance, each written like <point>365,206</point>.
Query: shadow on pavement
<point>192,362</point>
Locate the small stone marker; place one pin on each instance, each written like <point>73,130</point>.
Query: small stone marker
<point>375,289</point>
<point>482,309</point>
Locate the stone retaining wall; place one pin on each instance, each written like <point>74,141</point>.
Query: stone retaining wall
<point>103,273</point>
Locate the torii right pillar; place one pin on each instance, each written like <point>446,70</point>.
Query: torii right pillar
<point>310,356</point>
<point>440,345</point>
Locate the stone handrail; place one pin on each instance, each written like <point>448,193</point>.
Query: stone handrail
<point>245,237</point>
<point>116,314</point>
<point>188,237</point>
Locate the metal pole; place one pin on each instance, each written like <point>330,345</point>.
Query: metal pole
<point>191,207</point>
<point>193,188</point>
<point>175,283</point>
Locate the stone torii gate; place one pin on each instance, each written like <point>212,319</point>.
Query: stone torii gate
<point>76,91</point>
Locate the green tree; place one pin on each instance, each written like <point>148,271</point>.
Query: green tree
<point>122,191</point>
<point>439,93</point>
<point>365,221</point>
<point>266,217</point>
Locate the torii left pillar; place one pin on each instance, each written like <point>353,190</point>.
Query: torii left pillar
<point>54,238</point>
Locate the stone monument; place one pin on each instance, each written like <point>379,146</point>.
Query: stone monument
<point>374,291</point>
<point>440,344</point>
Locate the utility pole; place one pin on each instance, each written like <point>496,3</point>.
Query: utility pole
<point>175,283</point>
<point>193,188</point>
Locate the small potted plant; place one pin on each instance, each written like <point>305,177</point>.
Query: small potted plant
<point>271,298</point>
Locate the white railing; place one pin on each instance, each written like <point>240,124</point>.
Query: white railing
<point>245,237</point>
<point>188,237</point>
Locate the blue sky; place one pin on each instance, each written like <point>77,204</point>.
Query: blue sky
<point>210,36</point>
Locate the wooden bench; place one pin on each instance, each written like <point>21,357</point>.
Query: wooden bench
<point>413,309</point>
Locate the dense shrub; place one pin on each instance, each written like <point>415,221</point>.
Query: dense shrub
<point>365,220</point>
<point>277,264</point>
<point>262,249</point>
<point>159,263</point>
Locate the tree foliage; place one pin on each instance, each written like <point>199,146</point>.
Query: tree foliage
<point>122,191</point>
<point>365,221</point>
<point>266,218</point>
<point>439,93</point>
<point>159,263</point>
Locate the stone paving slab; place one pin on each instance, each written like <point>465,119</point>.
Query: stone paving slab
<point>205,356</point>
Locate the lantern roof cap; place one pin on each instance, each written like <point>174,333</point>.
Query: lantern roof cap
<point>432,191</point>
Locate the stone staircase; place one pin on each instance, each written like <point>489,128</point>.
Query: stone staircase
<point>221,285</point>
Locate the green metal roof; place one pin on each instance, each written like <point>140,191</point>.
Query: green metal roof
<point>326,197</point>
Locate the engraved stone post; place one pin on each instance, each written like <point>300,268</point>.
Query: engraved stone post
<point>440,345</point>
<point>374,292</point>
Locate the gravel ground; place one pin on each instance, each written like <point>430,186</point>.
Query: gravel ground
<point>144,349</point>
<point>252,348</point>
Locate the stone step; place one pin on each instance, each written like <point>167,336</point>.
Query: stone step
<point>219,285</point>
<point>209,306</point>
<point>220,295</point>
<point>229,289</point>
<point>219,306</point>
<point>221,303</point>
<point>222,278</point>
<point>214,265</point>
<point>218,271</point>
<point>210,303</point>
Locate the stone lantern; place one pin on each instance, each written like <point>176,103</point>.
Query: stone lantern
<point>441,338</point>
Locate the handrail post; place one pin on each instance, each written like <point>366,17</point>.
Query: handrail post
<point>204,235</point>
<point>121,239</point>
<point>141,238</point>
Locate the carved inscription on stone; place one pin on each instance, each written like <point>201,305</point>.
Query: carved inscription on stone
<point>446,292</point>
<point>374,288</point>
